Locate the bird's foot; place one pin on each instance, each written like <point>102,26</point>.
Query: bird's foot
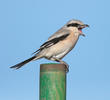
<point>66,66</point>
<point>62,62</point>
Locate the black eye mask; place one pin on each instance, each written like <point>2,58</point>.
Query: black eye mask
<point>73,25</point>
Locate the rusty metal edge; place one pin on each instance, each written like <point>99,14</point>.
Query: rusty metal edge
<point>52,67</point>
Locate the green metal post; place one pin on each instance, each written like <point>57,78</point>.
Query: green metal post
<point>52,82</point>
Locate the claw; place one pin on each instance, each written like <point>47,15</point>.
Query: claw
<point>62,62</point>
<point>66,66</point>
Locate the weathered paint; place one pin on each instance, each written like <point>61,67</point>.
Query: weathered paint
<point>52,82</point>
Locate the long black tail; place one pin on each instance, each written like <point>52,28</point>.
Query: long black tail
<point>19,65</point>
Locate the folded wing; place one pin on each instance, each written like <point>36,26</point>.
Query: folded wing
<point>51,42</point>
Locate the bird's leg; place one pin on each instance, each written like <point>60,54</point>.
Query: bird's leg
<point>62,62</point>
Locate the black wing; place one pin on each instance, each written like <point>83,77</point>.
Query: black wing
<point>52,42</point>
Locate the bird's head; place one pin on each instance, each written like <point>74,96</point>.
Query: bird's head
<point>78,25</point>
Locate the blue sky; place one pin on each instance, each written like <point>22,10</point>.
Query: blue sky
<point>26,24</point>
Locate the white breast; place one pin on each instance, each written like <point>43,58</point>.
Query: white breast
<point>60,49</point>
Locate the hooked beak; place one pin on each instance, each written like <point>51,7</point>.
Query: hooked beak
<point>80,27</point>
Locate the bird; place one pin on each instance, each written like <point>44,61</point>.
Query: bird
<point>59,44</point>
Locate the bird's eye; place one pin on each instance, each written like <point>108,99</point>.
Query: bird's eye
<point>73,25</point>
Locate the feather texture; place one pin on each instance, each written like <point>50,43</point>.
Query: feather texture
<point>52,42</point>
<point>19,65</point>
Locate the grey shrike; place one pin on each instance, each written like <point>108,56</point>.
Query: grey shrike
<point>59,44</point>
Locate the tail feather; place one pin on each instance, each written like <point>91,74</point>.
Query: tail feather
<point>19,65</point>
